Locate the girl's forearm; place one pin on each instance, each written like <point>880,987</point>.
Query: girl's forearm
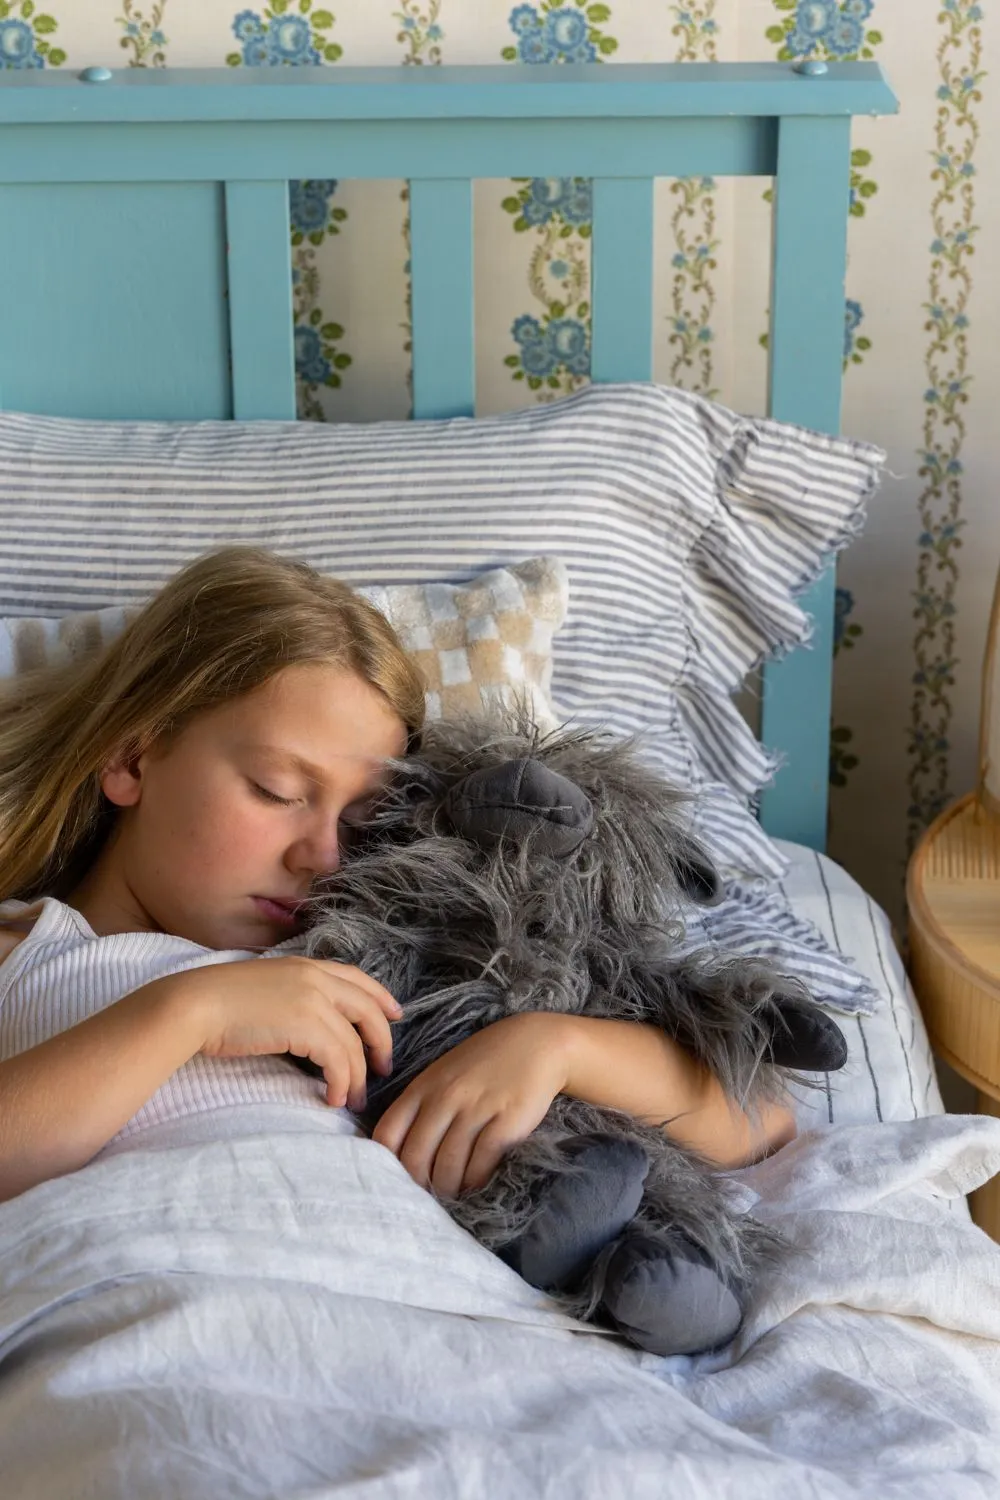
<point>637,1068</point>
<point>62,1101</point>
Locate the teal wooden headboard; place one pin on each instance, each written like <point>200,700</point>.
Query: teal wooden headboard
<point>113,184</point>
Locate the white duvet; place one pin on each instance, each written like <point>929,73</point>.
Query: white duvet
<point>290,1316</point>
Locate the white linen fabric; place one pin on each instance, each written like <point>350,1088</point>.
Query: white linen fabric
<point>687,533</point>
<point>292,1315</point>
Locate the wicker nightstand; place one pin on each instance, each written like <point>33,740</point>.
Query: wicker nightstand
<point>953,893</point>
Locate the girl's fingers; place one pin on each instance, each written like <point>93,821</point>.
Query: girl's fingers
<point>418,1142</point>
<point>392,1129</point>
<point>342,1058</point>
<point>450,1168</point>
<point>349,1002</point>
<point>335,1072</point>
<point>491,1146</point>
<point>356,1062</point>
<point>387,1003</point>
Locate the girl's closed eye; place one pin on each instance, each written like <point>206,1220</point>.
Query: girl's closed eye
<point>268,796</point>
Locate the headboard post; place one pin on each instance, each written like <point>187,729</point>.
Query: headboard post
<point>806,345</point>
<point>444,356</point>
<point>622,279</point>
<point>261,334</point>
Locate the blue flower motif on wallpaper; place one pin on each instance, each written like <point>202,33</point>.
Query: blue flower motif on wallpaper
<point>823,23</point>
<point>834,28</point>
<point>855,344</point>
<point>311,364</point>
<point>548,198</point>
<point>22,37</point>
<point>17,45</point>
<point>560,36</point>
<point>549,345</point>
<point>285,40</point>
<point>271,38</point>
<point>312,211</point>
<point>551,32</point>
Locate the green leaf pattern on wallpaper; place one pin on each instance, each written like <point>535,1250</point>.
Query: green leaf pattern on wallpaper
<point>144,36</point>
<point>26,36</point>
<point>420,30</point>
<point>693,224</point>
<point>953,213</point>
<point>838,31</point>
<point>553,339</point>
<point>278,36</point>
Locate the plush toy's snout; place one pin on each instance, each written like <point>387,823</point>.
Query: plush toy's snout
<point>518,800</point>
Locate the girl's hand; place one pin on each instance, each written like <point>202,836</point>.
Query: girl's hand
<point>453,1123</point>
<point>325,1011</point>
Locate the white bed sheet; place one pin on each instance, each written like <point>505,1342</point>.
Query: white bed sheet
<point>289,1315</point>
<point>890,1069</point>
<point>292,1316</point>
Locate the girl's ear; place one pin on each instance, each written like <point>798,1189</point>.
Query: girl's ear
<point>121,781</point>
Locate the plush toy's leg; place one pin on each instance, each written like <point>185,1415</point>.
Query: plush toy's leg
<point>582,1210</point>
<point>805,1038</point>
<point>669,1300</point>
<point>736,1014</point>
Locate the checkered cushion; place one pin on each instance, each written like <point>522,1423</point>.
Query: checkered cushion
<point>475,643</point>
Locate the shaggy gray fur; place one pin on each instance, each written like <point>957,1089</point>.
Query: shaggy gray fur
<point>465,929</point>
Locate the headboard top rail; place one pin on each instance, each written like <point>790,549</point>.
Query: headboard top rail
<point>586,91</point>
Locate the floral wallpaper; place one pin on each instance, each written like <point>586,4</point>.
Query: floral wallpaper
<point>913,594</point>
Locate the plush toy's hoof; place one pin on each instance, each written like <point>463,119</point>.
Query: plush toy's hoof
<point>669,1301</point>
<point>582,1211</point>
<point>806,1039</point>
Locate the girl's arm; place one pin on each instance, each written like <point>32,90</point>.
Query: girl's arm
<point>62,1101</point>
<point>637,1068</point>
<point>452,1124</point>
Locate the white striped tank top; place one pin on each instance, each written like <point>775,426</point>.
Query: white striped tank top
<point>61,972</point>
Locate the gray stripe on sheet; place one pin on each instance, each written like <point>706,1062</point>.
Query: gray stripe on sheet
<point>889,987</point>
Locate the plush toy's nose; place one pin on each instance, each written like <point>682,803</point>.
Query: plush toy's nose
<point>518,800</point>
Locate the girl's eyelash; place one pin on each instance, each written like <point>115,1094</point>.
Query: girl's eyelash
<point>267,796</point>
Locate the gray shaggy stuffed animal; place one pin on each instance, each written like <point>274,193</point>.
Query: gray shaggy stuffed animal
<point>506,872</point>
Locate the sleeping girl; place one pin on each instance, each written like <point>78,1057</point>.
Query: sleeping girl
<point>164,811</point>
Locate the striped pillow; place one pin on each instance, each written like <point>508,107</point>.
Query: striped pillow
<point>475,644</point>
<point>687,532</point>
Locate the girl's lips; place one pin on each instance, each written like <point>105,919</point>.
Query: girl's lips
<point>287,913</point>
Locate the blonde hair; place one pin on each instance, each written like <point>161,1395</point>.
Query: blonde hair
<point>220,628</point>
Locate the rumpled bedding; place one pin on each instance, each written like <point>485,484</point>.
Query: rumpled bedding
<point>292,1316</point>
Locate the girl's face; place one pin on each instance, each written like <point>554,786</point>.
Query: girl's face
<point>223,828</point>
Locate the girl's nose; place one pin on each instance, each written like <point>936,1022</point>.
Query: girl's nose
<point>318,853</point>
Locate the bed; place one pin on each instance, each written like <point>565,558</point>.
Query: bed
<point>285,1316</point>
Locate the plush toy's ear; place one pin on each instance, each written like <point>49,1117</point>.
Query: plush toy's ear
<point>696,874</point>
<point>518,800</point>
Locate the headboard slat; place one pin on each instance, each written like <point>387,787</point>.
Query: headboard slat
<point>809,268</point>
<point>622,276</point>
<point>261,339</point>
<point>444,372</point>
